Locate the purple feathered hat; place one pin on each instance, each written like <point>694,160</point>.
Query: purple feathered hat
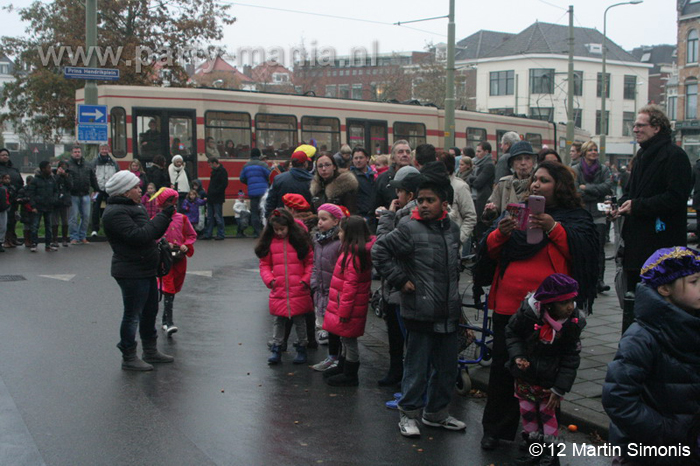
<point>669,264</point>
<point>557,287</point>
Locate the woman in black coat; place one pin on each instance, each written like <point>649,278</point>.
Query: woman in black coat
<point>133,237</point>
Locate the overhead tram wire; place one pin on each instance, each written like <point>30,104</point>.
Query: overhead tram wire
<point>325,15</point>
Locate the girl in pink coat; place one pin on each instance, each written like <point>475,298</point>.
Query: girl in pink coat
<point>286,260</point>
<point>181,237</point>
<point>348,299</point>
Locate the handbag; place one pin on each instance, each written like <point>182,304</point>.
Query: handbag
<point>165,258</point>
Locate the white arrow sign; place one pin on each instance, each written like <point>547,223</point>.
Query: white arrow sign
<point>98,115</point>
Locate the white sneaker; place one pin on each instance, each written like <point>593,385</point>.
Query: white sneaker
<point>94,233</point>
<point>327,363</point>
<point>172,329</point>
<point>322,337</point>
<point>448,423</point>
<point>408,426</point>
<point>165,327</point>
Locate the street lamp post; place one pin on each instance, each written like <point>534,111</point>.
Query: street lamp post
<point>604,83</point>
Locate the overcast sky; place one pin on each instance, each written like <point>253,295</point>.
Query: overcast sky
<point>652,22</point>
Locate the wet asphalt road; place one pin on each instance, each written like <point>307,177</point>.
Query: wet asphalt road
<point>65,401</point>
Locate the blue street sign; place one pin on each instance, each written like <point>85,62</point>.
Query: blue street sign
<point>92,134</point>
<point>101,74</point>
<point>92,114</point>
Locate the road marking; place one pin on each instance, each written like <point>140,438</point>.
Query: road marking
<point>252,270</point>
<point>201,273</point>
<point>65,278</point>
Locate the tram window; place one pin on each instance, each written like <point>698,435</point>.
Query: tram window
<point>276,135</point>
<point>414,133</point>
<point>180,131</point>
<point>324,131</point>
<point>535,140</point>
<point>117,123</point>
<point>475,136</point>
<point>148,129</point>
<point>499,137</point>
<point>231,134</point>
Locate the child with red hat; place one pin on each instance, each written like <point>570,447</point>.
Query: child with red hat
<point>544,342</point>
<point>300,209</point>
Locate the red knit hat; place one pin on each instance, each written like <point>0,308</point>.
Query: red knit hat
<point>295,201</point>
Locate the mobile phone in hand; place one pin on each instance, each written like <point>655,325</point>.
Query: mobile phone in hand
<point>536,206</point>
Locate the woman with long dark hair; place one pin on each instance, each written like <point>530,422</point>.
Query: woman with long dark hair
<point>569,246</point>
<point>332,186</point>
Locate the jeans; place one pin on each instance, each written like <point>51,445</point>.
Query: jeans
<point>80,205</point>
<point>47,227</point>
<point>255,220</point>
<point>140,297</point>
<point>430,362</point>
<point>97,209</point>
<point>214,214</point>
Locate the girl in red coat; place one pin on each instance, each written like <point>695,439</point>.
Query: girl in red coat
<point>286,260</point>
<point>181,237</point>
<point>348,298</point>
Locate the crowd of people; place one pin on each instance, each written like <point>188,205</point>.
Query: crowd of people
<point>328,223</point>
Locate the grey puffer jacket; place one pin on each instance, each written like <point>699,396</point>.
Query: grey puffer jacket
<point>325,256</point>
<point>652,387</point>
<point>596,190</point>
<point>388,221</point>
<point>427,254</point>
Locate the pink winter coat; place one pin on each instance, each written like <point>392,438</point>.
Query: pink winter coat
<point>291,294</point>
<point>348,298</point>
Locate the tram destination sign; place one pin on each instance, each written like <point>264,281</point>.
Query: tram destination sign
<point>98,74</point>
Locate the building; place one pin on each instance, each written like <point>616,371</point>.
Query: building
<point>663,60</point>
<point>687,122</point>
<point>219,73</point>
<point>270,76</point>
<point>526,74</point>
<point>10,139</point>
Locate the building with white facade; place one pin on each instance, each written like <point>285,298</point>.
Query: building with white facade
<point>526,74</point>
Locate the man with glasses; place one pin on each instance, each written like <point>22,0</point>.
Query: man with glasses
<point>654,202</point>
<point>400,157</point>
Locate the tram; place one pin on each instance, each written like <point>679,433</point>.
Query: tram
<point>198,123</point>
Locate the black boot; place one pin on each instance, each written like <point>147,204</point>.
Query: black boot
<point>151,353</point>
<point>54,236</point>
<point>131,362</point>
<point>168,326</point>
<point>64,231</point>
<point>395,374</point>
<point>338,369</point>
<point>549,442</point>
<point>348,378</point>
<point>529,459</point>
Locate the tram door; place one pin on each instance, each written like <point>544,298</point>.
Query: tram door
<point>371,134</point>
<point>167,132</point>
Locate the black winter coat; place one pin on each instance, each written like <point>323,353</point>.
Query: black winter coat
<point>659,187</point>
<point>551,366</point>
<point>482,183</point>
<point>133,237</point>
<point>16,179</point>
<point>297,181</point>
<point>365,191</point>
<point>83,177</point>
<point>65,184</point>
<point>384,193</point>
<point>652,388</point>
<point>216,192</point>
<point>696,185</point>
<point>158,176</point>
<point>43,193</point>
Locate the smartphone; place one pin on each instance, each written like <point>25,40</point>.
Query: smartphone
<point>519,213</point>
<point>535,205</point>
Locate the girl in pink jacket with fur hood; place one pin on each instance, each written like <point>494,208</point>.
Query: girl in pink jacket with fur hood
<point>286,261</point>
<point>348,298</point>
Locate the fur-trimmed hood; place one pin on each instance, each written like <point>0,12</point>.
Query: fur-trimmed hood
<point>344,183</point>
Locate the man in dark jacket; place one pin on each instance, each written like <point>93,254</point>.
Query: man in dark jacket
<point>503,165</point>
<point>255,174</point>
<point>135,259</point>
<point>365,179</point>
<point>158,173</point>
<point>296,181</point>
<point>481,182</point>
<point>43,196</point>
<point>400,157</point>
<point>216,195</point>
<point>83,178</point>
<point>655,202</point>
<point>16,182</point>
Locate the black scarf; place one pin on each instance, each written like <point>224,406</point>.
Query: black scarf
<point>642,160</point>
<point>582,239</point>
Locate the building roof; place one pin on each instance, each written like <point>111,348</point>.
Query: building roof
<point>479,44</point>
<point>219,64</point>
<point>547,38</point>
<point>688,7</point>
<point>264,71</point>
<point>657,55</point>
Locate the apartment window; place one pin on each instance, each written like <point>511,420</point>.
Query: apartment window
<point>627,123</point>
<point>344,91</point>
<point>578,83</point>
<point>4,68</point>
<point>691,101</point>
<point>357,91</point>
<point>542,113</point>
<point>330,90</point>
<point>691,55</point>
<point>502,82</point>
<point>542,81</point>
<point>597,121</point>
<point>577,117</point>
<point>671,107</point>
<point>599,85</point>
<point>630,89</point>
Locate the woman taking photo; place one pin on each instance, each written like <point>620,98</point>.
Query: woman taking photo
<point>594,182</point>
<point>133,237</point>
<point>569,246</point>
<point>330,186</point>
